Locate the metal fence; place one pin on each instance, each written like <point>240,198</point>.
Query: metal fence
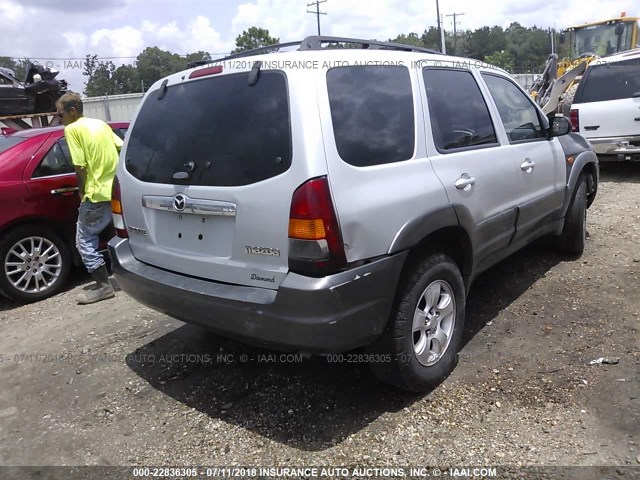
<point>525,80</point>
<point>113,108</point>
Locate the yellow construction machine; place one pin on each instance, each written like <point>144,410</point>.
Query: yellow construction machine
<point>555,89</point>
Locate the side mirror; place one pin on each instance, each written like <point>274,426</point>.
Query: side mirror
<point>560,125</point>
<point>563,37</point>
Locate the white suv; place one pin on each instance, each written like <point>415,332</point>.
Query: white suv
<point>606,107</point>
<point>325,199</point>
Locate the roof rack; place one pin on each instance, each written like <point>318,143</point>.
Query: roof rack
<point>316,42</point>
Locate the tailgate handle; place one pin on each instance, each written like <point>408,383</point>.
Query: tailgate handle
<point>190,205</point>
<point>592,127</point>
<point>64,190</point>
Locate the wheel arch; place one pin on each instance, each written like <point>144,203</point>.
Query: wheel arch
<point>587,163</point>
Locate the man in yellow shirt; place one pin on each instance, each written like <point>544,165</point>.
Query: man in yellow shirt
<point>94,152</point>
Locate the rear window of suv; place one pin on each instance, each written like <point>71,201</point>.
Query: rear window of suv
<point>611,81</point>
<point>234,134</point>
<point>372,114</point>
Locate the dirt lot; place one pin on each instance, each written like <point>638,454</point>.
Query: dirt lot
<point>118,384</point>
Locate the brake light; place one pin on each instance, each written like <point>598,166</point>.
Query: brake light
<point>574,118</point>
<point>116,210</point>
<point>315,240</point>
<point>203,72</point>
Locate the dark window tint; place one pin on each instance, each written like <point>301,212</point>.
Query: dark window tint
<point>459,115</point>
<point>519,116</point>
<point>65,149</point>
<point>120,132</point>
<point>7,142</point>
<point>372,114</point>
<point>612,81</point>
<point>233,133</point>
<point>54,163</point>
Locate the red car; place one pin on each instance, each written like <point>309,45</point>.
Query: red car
<point>39,198</point>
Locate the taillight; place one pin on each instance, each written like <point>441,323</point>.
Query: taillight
<point>116,210</point>
<point>203,72</point>
<point>315,240</point>
<point>574,117</point>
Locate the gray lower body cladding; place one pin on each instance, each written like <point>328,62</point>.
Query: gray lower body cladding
<point>316,315</point>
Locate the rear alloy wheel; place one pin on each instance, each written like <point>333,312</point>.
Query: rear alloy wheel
<point>35,264</point>
<point>433,322</point>
<point>424,332</point>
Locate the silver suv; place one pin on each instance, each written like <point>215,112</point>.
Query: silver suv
<point>324,199</point>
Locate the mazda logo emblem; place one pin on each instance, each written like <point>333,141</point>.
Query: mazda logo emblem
<point>179,202</point>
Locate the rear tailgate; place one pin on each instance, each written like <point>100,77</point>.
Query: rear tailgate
<point>606,102</point>
<point>208,177</point>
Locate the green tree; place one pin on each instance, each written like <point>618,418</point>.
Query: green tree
<point>101,80</point>
<point>198,56</point>
<point>153,64</point>
<point>529,47</point>
<point>431,39</point>
<point>254,38</point>
<point>126,79</point>
<point>483,41</point>
<point>502,59</point>
<point>90,65</point>
<point>411,39</point>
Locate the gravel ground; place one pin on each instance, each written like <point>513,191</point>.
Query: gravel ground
<point>118,384</point>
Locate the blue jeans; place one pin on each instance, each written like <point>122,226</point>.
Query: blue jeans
<point>93,218</point>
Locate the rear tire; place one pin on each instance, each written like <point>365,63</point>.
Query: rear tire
<point>424,332</point>
<point>574,233</point>
<point>34,263</point>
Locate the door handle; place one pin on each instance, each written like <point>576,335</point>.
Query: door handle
<point>63,190</point>
<point>527,165</point>
<point>464,182</point>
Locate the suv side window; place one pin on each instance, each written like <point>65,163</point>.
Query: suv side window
<point>372,114</point>
<point>55,162</point>
<point>517,112</point>
<point>459,115</point>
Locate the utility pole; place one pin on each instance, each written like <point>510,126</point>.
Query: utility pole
<point>443,48</point>
<point>455,36</point>
<point>317,13</point>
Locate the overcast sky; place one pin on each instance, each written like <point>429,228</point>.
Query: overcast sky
<point>50,30</point>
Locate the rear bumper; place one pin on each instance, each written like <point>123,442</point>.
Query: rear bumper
<point>621,147</point>
<point>316,315</point>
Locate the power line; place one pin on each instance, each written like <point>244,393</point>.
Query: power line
<point>317,13</point>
